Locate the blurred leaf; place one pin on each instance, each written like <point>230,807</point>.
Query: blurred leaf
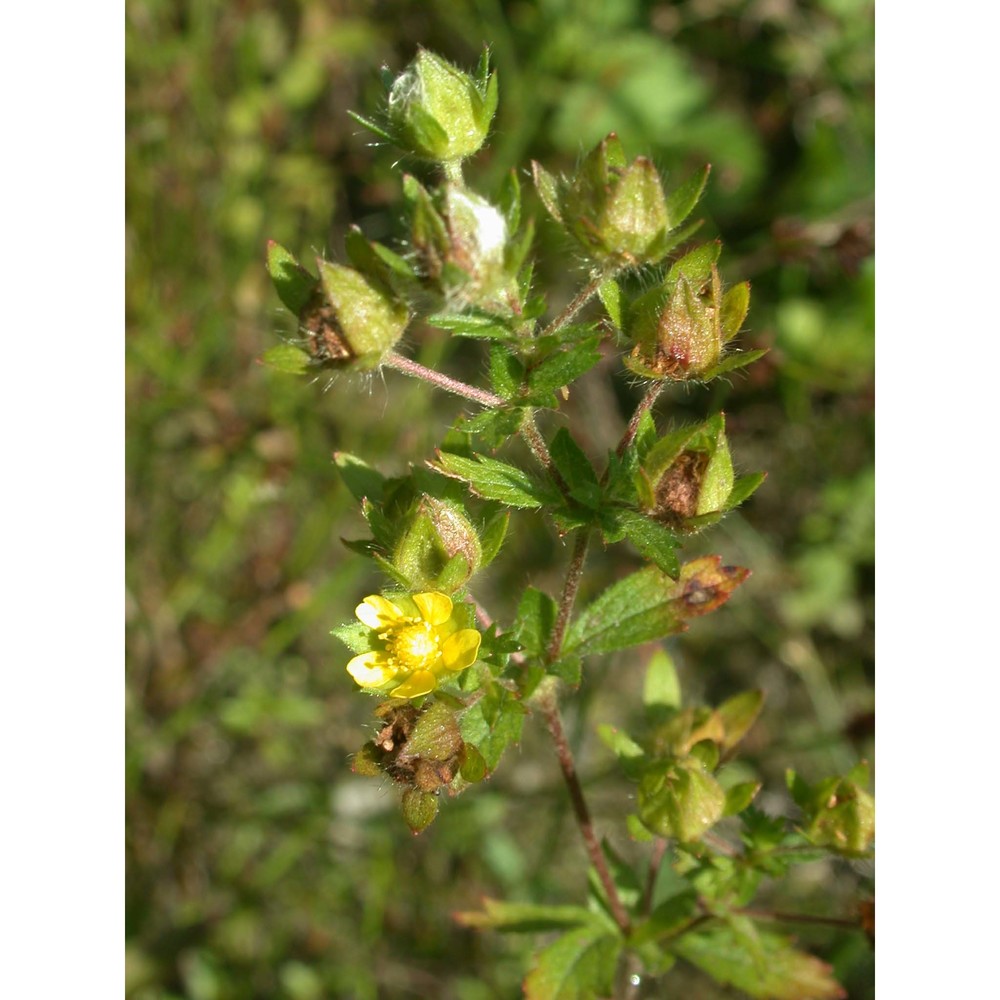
<point>293,283</point>
<point>526,917</point>
<point>682,200</point>
<point>661,689</point>
<point>759,963</point>
<point>361,479</point>
<point>578,966</point>
<point>738,714</point>
<point>287,358</point>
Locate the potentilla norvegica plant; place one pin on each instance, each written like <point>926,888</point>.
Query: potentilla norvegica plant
<point>455,687</point>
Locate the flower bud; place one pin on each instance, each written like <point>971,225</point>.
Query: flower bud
<point>438,548</point>
<point>615,210</point>
<point>686,478</point>
<point>681,328</point>
<point>678,797</point>
<point>460,241</point>
<point>438,112</point>
<point>839,812</point>
<point>350,320</point>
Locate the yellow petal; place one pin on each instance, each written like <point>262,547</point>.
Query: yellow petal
<point>371,669</point>
<point>418,683</point>
<point>376,612</point>
<point>461,649</point>
<point>434,607</point>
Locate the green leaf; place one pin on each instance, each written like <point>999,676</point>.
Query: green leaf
<point>548,189</point>
<point>361,479</point>
<point>578,966</point>
<point>529,918</point>
<point>735,306</point>
<point>678,798</point>
<point>287,359</point>
<point>473,767</point>
<point>575,468</point>
<point>611,298</point>
<point>293,283</point>
<point>483,326</point>
<point>506,372</point>
<point>759,963</point>
<point>509,200</point>
<point>668,918</point>
<point>732,362</point>
<point>564,367</point>
<point>492,737</point>
<point>372,126</point>
<point>743,488</point>
<point>649,605</point>
<point>661,689</point>
<point>492,536</point>
<point>536,616</point>
<point>738,714</point>
<point>355,636</point>
<point>653,539</point>
<point>682,200</point>
<point>740,796</point>
<point>495,480</point>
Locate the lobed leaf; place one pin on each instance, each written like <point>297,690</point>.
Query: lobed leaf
<point>495,480</point>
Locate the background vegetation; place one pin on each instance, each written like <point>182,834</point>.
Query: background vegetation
<point>258,865</point>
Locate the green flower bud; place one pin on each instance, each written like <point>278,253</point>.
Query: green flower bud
<point>614,209</point>
<point>460,241</point>
<point>438,548</point>
<point>681,328</point>
<point>679,798</point>
<point>438,112</point>
<point>686,478</point>
<point>839,812</point>
<point>350,320</point>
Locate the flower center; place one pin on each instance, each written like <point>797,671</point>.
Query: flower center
<point>414,647</point>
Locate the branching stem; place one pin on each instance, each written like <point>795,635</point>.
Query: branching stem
<point>534,440</point>
<point>580,300</point>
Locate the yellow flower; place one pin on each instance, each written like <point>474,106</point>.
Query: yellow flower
<point>421,644</point>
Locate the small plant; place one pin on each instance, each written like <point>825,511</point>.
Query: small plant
<point>456,686</point>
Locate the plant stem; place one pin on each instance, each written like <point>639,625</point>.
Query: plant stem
<point>655,860</point>
<point>580,300</point>
<point>799,918</point>
<point>554,721</point>
<point>534,440</point>
<point>645,404</point>
<point>416,370</point>
<point>572,584</point>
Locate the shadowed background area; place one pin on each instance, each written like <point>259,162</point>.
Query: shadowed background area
<point>258,864</point>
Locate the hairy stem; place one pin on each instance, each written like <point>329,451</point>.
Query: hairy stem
<point>580,300</point>
<point>645,404</point>
<point>534,440</point>
<point>800,918</point>
<point>416,370</point>
<point>572,584</point>
<point>554,721</point>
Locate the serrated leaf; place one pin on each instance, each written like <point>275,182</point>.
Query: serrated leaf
<point>527,918</point>
<point>495,480</point>
<point>293,283</point>
<point>653,539</point>
<point>506,372</point>
<point>359,477</point>
<point>355,636</point>
<point>649,605</point>
<point>759,963</point>
<point>661,688</point>
<point>682,200</point>
<point>564,367</point>
<point>287,359</point>
<point>578,966</point>
<point>611,298</point>
<point>575,468</point>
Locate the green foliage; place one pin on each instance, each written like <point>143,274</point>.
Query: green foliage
<point>260,862</point>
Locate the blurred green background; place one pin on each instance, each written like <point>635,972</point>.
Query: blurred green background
<point>258,865</point>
